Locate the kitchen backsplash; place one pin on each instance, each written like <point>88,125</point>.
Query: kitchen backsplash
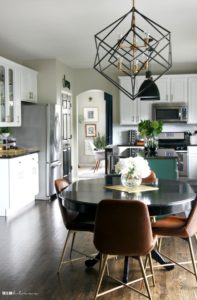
<point>120,133</point>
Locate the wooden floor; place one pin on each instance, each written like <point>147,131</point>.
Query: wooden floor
<point>30,250</point>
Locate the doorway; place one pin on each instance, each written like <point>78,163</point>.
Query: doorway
<point>94,116</point>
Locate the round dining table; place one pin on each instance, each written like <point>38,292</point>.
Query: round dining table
<point>167,197</point>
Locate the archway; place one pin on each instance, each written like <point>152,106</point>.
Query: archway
<point>99,106</point>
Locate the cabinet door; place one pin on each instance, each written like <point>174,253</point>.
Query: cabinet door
<point>28,85</point>
<point>144,107</point>
<point>163,85</point>
<point>172,88</point>
<point>178,88</point>
<point>18,182</point>
<point>4,179</point>
<point>128,108</point>
<point>192,162</point>
<point>10,106</point>
<point>192,102</point>
<point>33,171</point>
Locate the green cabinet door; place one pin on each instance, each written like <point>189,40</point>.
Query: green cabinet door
<point>164,168</point>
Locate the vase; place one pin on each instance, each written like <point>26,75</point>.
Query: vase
<point>130,181</point>
<point>151,146</point>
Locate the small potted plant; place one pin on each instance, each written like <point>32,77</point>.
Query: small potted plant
<point>150,130</point>
<point>5,131</point>
<point>100,141</point>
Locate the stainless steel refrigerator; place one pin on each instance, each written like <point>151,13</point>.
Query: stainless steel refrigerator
<point>41,128</point>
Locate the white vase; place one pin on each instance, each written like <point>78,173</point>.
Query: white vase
<point>129,181</point>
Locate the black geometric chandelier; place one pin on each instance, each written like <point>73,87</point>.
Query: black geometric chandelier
<point>131,46</point>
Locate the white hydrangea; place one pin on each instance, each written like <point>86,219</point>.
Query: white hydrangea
<point>134,166</point>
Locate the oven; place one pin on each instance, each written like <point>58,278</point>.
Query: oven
<point>179,142</point>
<point>182,163</point>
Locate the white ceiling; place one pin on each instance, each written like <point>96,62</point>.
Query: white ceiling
<point>64,29</point>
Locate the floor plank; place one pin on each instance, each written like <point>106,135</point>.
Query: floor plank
<point>30,249</point>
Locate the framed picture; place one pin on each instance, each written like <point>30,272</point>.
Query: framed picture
<point>90,130</point>
<point>90,114</point>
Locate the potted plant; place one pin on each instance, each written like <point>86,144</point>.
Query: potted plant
<point>150,130</point>
<point>99,141</point>
<point>5,131</point>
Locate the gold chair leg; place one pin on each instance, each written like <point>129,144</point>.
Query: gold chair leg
<point>101,273</point>
<point>192,256</point>
<point>151,268</point>
<point>72,243</point>
<point>159,244</point>
<point>63,251</point>
<point>145,279</point>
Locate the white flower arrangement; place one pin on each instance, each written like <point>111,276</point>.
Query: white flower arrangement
<point>136,167</point>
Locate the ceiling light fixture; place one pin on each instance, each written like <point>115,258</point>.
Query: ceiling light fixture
<point>143,50</point>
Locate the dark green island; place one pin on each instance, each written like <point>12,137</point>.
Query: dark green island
<point>163,163</point>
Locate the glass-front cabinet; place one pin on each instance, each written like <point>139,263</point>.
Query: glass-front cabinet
<point>10,104</point>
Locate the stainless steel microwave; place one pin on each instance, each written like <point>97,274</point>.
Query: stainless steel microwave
<point>170,112</point>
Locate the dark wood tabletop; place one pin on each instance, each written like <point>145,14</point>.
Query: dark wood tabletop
<point>172,196</point>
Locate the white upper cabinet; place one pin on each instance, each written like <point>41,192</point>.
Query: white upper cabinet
<point>128,107</point>
<point>28,84</point>
<point>192,99</point>
<point>10,104</point>
<point>172,88</point>
<point>133,111</point>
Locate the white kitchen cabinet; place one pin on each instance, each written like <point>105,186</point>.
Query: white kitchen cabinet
<point>133,111</point>
<point>19,176</point>
<point>10,104</point>
<point>192,161</point>
<point>172,88</point>
<point>28,84</point>
<point>33,168</point>
<point>192,99</point>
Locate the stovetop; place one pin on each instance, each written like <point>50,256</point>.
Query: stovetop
<point>176,140</point>
<point>177,147</point>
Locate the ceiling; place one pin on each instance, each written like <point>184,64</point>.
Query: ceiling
<point>63,29</point>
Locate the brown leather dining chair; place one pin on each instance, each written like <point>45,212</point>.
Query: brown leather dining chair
<point>123,227</point>
<point>73,221</point>
<point>180,227</point>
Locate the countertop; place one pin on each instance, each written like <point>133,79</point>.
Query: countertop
<point>160,154</point>
<point>12,153</point>
<point>164,154</point>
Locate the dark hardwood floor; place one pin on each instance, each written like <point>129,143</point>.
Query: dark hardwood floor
<point>30,249</point>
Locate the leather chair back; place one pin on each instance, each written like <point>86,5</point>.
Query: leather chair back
<point>123,227</point>
<point>67,215</point>
<point>191,223</point>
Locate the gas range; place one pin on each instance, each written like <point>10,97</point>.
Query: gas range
<point>179,142</point>
<point>175,140</point>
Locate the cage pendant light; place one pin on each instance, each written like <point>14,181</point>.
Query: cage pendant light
<point>134,45</point>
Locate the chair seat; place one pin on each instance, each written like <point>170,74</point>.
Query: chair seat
<point>80,225</point>
<point>170,226</point>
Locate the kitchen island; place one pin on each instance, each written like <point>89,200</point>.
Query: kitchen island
<point>163,163</point>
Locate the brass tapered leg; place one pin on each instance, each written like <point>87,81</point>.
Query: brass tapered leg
<point>72,243</point>
<point>151,268</point>
<point>192,256</point>
<point>145,279</point>
<point>63,252</point>
<point>101,273</point>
